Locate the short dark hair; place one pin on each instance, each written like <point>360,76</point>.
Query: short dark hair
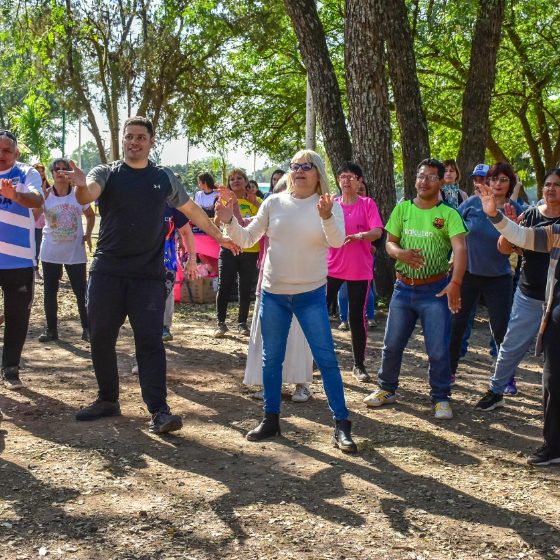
<point>207,179</point>
<point>141,121</point>
<point>10,135</point>
<point>430,162</point>
<point>351,167</point>
<point>59,160</point>
<point>507,170</point>
<point>554,171</point>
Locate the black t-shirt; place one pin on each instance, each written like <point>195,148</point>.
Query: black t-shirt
<point>132,207</point>
<point>534,266</point>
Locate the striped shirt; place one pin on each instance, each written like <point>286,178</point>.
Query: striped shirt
<point>17,225</point>
<point>544,239</point>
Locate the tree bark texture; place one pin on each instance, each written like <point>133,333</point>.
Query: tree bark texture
<point>415,142</point>
<point>322,77</point>
<point>368,100</point>
<point>479,86</point>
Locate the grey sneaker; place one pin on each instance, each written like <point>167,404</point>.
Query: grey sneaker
<point>302,393</point>
<point>343,326</point>
<point>10,377</point>
<point>360,374</point>
<point>242,328</point>
<point>163,422</point>
<point>98,409</point>
<point>221,330</point>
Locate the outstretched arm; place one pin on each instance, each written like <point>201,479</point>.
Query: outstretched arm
<point>86,191</point>
<point>27,200</point>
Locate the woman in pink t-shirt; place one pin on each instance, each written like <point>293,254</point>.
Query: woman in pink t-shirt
<point>353,262</point>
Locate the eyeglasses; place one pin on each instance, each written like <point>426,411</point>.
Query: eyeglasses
<point>350,178</point>
<point>9,135</point>
<point>500,179</point>
<point>429,178</point>
<point>303,166</point>
<point>57,169</point>
<point>551,185</point>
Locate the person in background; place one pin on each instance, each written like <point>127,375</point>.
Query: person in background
<point>450,192</point>
<point>529,296</point>
<point>253,189</point>
<point>243,266</point>
<point>63,245</point>
<point>39,218</point>
<point>294,279</point>
<point>20,192</point>
<point>544,240</point>
<point>353,262</point>
<point>420,234</point>
<point>488,271</point>
<point>274,178</point>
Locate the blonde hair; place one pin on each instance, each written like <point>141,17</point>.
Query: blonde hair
<point>310,156</point>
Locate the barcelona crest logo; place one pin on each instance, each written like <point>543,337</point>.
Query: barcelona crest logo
<point>438,223</point>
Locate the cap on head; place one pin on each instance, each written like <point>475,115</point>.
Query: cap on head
<point>481,170</point>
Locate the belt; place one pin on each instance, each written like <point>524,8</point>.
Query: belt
<point>421,281</point>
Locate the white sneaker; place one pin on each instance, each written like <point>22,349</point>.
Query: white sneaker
<point>380,397</point>
<point>259,395</point>
<point>302,393</point>
<point>443,410</point>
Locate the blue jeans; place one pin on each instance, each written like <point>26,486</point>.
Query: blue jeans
<point>523,326</point>
<point>408,304</point>
<point>343,303</point>
<point>310,309</point>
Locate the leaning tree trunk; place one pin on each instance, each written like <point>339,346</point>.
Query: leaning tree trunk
<point>415,143</point>
<point>322,78</point>
<point>478,90</point>
<point>368,101</point>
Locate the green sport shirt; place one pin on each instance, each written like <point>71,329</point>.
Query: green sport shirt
<point>430,231</point>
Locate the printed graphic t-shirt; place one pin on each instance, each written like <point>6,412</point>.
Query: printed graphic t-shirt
<point>429,230</point>
<point>248,210</point>
<point>354,261</point>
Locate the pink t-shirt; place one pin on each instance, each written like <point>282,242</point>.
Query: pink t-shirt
<point>355,261</point>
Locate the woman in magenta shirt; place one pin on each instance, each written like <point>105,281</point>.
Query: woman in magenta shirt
<point>353,262</point>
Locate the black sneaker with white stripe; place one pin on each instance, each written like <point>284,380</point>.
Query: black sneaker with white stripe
<point>490,401</point>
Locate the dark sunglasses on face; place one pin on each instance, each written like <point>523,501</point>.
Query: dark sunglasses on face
<point>303,166</point>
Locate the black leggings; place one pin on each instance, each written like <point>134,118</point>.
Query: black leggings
<point>551,378</point>
<point>244,266</point>
<point>357,292</point>
<point>52,273</point>
<point>17,285</point>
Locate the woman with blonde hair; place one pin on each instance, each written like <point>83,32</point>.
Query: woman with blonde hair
<point>301,224</point>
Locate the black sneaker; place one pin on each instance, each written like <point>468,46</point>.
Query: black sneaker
<point>163,422</point>
<point>10,378</point>
<point>543,456</point>
<point>360,373</point>
<point>99,409</point>
<point>490,401</point>
<point>242,328</point>
<point>48,335</point>
<point>85,335</point>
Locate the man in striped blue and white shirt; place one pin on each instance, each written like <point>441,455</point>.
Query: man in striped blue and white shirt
<point>20,190</point>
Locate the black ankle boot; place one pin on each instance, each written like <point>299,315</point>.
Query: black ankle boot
<point>342,437</point>
<point>269,427</point>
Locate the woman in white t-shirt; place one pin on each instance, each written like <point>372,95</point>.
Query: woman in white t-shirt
<point>64,244</point>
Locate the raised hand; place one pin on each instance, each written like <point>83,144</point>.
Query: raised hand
<point>488,201</point>
<point>76,176</point>
<point>7,190</point>
<point>224,212</point>
<point>225,193</point>
<point>412,257</point>
<point>324,206</point>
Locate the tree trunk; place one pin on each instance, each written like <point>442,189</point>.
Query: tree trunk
<point>479,86</point>
<point>415,142</point>
<point>368,101</point>
<point>322,78</point>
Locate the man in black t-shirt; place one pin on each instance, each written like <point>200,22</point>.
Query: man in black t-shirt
<point>127,275</point>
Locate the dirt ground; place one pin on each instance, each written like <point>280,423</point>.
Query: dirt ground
<point>417,489</point>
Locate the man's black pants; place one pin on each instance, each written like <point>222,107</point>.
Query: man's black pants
<point>110,299</point>
<point>17,286</point>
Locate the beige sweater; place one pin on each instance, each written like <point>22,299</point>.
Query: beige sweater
<point>296,260</point>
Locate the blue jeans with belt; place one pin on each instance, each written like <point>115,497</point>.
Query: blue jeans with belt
<point>310,309</point>
<point>408,304</point>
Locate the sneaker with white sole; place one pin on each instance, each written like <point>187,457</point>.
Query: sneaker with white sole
<point>443,410</point>
<point>221,330</point>
<point>543,456</point>
<point>343,326</point>
<point>490,401</point>
<point>372,323</point>
<point>10,378</point>
<point>380,397</point>
<point>302,393</point>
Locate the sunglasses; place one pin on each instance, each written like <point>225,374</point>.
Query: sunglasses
<point>303,166</point>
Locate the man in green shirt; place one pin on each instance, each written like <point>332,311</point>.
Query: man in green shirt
<point>420,234</point>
